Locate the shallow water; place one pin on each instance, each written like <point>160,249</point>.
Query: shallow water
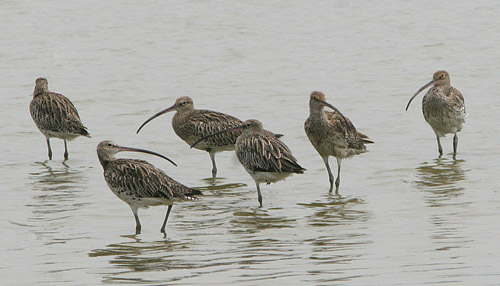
<point>403,216</point>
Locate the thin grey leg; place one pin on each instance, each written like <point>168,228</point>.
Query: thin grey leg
<point>455,145</point>
<point>330,175</point>
<point>440,148</point>
<point>259,195</point>
<point>214,167</point>
<point>65,150</point>
<point>136,216</point>
<point>337,182</point>
<point>162,230</point>
<point>48,147</point>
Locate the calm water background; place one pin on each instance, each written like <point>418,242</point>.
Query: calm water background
<point>403,215</point>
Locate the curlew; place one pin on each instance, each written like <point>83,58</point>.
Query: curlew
<point>191,124</point>
<point>332,134</point>
<point>55,116</point>
<point>140,184</point>
<point>266,158</point>
<point>443,107</point>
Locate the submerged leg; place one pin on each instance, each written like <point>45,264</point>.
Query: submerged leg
<point>162,230</point>
<point>136,216</point>
<point>214,167</point>
<point>48,147</point>
<point>259,195</point>
<point>455,145</point>
<point>65,150</point>
<point>440,148</point>
<point>330,175</point>
<point>337,182</point>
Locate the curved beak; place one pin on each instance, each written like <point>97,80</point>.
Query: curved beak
<point>338,111</point>
<point>232,129</point>
<point>130,149</point>
<point>432,82</point>
<point>173,107</point>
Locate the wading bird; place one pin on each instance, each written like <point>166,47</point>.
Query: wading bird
<point>443,107</point>
<point>140,184</point>
<point>266,158</point>
<point>191,124</point>
<point>332,134</point>
<point>55,116</point>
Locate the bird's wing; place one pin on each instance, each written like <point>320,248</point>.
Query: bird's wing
<point>57,113</point>
<point>354,138</point>
<point>145,180</point>
<point>458,101</point>
<point>266,153</point>
<point>206,122</point>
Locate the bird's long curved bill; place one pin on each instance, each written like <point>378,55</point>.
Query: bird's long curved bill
<point>338,111</point>
<point>130,149</point>
<point>217,133</point>
<point>173,107</point>
<point>432,82</point>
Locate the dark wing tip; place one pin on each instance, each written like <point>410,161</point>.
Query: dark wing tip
<point>195,193</point>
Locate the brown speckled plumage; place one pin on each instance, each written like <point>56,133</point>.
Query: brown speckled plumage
<point>139,183</point>
<point>332,134</point>
<point>55,115</point>
<point>443,107</point>
<point>191,124</point>
<point>264,156</point>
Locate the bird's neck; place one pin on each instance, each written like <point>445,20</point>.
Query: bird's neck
<point>444,89</point>
<point>184,112</point>
<point>39,90</point>
<point>317,112</point>
<point>105,158</point>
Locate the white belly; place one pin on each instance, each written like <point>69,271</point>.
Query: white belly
<point>269,177</point>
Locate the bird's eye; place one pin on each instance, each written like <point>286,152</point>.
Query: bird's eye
<point>248,125</point>
<point>184,103</point>
<point>109,144</point>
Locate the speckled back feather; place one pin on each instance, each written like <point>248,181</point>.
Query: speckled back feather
<point>259,152</point>
<point>138,178</point>
<point>55,112</point>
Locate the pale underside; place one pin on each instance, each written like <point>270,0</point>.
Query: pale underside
<point>444,112</point>
<point>330,137</point>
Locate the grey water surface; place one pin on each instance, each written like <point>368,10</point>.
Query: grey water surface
<point>403,216</point>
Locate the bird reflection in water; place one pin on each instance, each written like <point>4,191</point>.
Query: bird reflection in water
<point>440,180</point>
<point>334,209</point>
<point>338,234</point>
<point>254,220</point>
<point>134,255</point>
<point>58,191</point>
<point>441,177</point>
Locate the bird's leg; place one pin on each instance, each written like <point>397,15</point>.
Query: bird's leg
<point>259,195</point>
<point>65,150</point>
<point>440,148</point>
<point>135,210</point>
<point>330,175</point>
<point>455,145</point>
<point>162,230</point>
<point>214,167</point>
<point>48,147</point>
<point>337,182</point>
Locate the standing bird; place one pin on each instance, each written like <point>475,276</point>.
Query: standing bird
<point>140,184</point>
<point>265,157</point>
<point>191,124</point>
<point>332,134</point>
<point>443,107</point>
<point>55,116</point>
